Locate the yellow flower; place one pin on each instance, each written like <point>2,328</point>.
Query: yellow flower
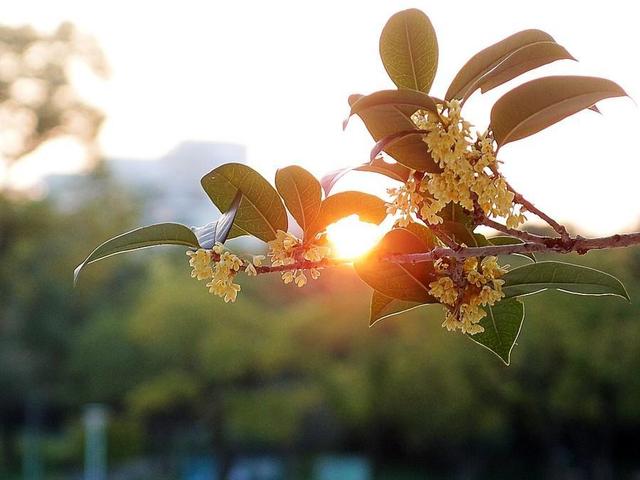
<point>300,278</point>
<point>406,201</point>
<point>282,248</point>
<point>200,261</point>
<point>440,265</point>
<point>315,253</point>
<point>488,296</point>
<point>451,322</point>
<point>225,289</point>
<point>286,249</point>
<point>218,248</point>
<point>444,290</point>
<point>475,278</point>
<point>221,272</point>
<point>288,277</point>
<point>470,264</point>
<point>463,303</point>
<point>468,168</point>
<point>470,315</point>
<point>491,269</point>
<point>250,270</point>
<point>257,260</point>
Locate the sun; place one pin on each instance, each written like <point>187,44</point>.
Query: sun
<point>352,238</point>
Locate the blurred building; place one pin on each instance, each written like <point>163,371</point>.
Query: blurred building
<point>169,186</point>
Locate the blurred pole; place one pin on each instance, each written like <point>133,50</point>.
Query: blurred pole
<point>95,444</point>
<point>31,455</point>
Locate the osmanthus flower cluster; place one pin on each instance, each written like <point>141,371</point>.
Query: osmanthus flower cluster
<point>286,249</point>
<point>469,169</point>
<point>221,266</point>
<point>448,184</point>
<point>478,286</point>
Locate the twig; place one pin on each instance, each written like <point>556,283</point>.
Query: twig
<point>519,198</point>
<point>522,235</point>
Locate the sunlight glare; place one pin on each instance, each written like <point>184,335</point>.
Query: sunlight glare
<point>352,238</point>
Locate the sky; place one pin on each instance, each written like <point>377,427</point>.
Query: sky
<point>275,76</point>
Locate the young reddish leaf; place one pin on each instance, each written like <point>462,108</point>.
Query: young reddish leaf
<point>487,59</point>
<point>408,282</point>
<point>407,98</point>
<point>502,326</point>
<point>395,170</point>
<point>383,307</point>
<point>385,120</point>
<point>369,208</point>
<point>409,50</point>
<point>540,103</point>
<point>261,212</point>
<point>301,193</point>
<point>522,60</point>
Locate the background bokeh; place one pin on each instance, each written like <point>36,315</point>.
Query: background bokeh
<point>108,123</point>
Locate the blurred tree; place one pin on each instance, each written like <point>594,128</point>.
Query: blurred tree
<point>39,309</point>
<point>302,375</point>
<point>38,101</point>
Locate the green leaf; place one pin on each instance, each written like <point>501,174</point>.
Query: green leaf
<point>395,171</point>
<point>460,233</point>
<point>153,235</point>
<point>383,307</point>
<point>424,233</point>
<point>537,277</point>
<point>369,208</point>
<point>408,282</point>
<point>506,240</point>
<point>453,212</point>
<point>522,60</point>
<point>218,231</point>
<point>501,328</point>
<point>486,60</point>
<point>405,98</point>
<point>409,50</point>
<point>301,193</point>
<point>390,140</point>
<point>261,212</point>
<point>540,103</point>
<point>383,121</point>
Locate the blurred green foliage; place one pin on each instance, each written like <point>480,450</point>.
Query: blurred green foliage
<point>296,370</point>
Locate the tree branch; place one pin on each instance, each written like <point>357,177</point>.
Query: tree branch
<point>558,245</point>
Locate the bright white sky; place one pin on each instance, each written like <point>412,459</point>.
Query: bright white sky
<point>275,76</point>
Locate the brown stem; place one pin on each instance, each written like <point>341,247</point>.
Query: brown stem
<point>559,245</point>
